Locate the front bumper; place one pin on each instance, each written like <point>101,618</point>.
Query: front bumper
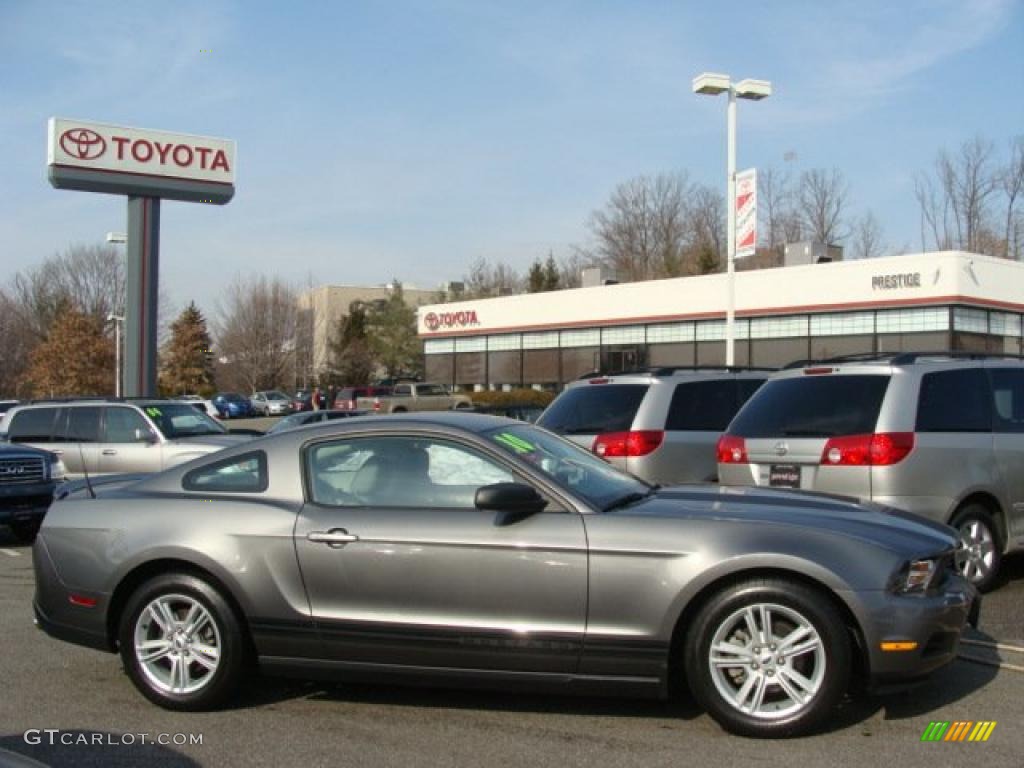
<point>933,622</point>
<point>25,502</point>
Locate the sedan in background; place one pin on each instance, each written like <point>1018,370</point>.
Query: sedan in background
<point>271,403</point>
<point>311,417</point>
<point>467,548</point>
<point>231,405</point>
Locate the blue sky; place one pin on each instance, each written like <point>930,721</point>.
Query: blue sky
<point>406,139</point>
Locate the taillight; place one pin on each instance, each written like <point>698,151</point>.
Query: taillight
<point>877,450</point>
<point>376,403</point>
<point>627,444</point>
<point>732,450</point>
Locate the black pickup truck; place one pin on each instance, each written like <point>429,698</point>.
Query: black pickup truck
<point>28,477</point>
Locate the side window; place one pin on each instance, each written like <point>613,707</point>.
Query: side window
<point>34,425</point>
<point>239,474</point>
<point>81,425</point>
<point>1008,399</point>
<point>400,472</point>
<point>746,389</point>
<point>955,401</point>
<point>403,390</point>
<point>702,406</point>
<point>122,424</point>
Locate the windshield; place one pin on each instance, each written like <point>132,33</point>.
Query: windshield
<point>289,422</point>
<point>593,409</point>
<point>575,469</point>
<point>231,397</point>
<point>176,420</point>
<point>276,396</point>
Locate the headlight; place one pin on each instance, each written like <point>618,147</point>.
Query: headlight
<point>916,577</point>
<point>57,470</point>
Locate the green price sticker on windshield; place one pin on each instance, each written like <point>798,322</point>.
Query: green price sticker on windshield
<point>154,412</point>
<point>517,444</point>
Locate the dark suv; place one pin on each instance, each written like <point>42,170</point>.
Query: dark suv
<point>28,477</point>
<point>661,425</point>
<point>939,434</point>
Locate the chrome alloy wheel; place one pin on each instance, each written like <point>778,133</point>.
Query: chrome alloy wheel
<point>767,661</point>
<point>177,644</point>
<point>976,554</point>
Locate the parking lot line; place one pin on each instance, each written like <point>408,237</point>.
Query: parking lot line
<point>996,646</point>
<point>11,552</point>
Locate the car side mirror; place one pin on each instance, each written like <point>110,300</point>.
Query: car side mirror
<point>145,436</point>
<point>513,501</point>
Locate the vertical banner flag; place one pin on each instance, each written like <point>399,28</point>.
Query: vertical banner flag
<point>746,213</point>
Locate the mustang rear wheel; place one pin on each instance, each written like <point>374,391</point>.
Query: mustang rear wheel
<point>768,658</point>
<point>181,643</point>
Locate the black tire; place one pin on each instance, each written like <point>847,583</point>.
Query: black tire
<point>980,554</point>
<point>25,532</point>
<point>826,665</point>
<point>223,626</point>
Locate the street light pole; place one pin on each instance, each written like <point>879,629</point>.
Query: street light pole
<point>711,84</point>
<point>117,320</point>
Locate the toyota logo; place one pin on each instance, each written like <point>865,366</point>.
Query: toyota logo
<point>781,448</point>
<point>433,321</point>
<point>82,143</point>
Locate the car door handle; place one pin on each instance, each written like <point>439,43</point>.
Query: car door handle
<point>333,537</point>
<point>109,452</point>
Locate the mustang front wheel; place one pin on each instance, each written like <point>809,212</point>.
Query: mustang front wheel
<point>768,658</point>
<point>181,643</point>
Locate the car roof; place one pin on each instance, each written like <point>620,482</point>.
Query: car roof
<point>469,422</point>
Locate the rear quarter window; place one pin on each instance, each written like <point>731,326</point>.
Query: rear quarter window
<point>813,406</point>
<point>594,409</point>
<point>239,474</point>
<point>34,425</point>
<point>955,401</point>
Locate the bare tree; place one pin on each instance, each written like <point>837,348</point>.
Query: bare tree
<point>775,200</point>
<point>706,230</point>
<point>1012,182</point>
<point>641,232</point>
<point>16,344</point>
<point>867,237</point>
<point>821,199</point>
<point>486,280</point>
<point>256,330</point>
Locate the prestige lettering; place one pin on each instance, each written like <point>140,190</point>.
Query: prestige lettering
<point>890,282</point>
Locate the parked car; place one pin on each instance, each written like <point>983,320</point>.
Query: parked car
<point>114,436</point>
<point>28,478</point>
<point>661,425</point>
<point>303,401</point>
<point>231,405</point>
<point>415,396</point>
<point>935,434</point>
<point>6,405</point>
<point>271,403</point>
<point>345,399</point>
<point>311,417</point>
<point>475,548</point>
<point>518,411</point>
<point>201,403</point>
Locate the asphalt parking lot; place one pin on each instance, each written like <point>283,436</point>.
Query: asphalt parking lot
<point>52,685</point>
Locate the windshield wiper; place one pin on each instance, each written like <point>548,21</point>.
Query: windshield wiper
<point>629,498</point>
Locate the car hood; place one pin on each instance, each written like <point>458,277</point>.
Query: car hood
<point>883,526</point>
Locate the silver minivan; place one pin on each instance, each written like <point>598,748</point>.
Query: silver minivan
<point>935,434</point>
<point>112,437</point>
<point>660,425</point>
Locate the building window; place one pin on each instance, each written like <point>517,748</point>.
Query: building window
<point>504,342</point>
<point>583,338</point>
<point>970,320</point>
<point>912,320</point>
<point>1004,324</point>
<point>438,346</point>
<point>633,334</point>
<point>471,344</point>
<point>714,330</point>
<point>669,332</point>
<point>778,327</point>
<point>545,340</point>
<point>843,324</point>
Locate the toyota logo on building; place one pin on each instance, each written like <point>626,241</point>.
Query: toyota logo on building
<point>83,143</point>
<point>460,319</point>
<point>433,321</point>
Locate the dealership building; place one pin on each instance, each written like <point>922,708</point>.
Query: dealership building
<point>928,301</point>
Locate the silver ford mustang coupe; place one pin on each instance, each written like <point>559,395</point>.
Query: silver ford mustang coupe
<point>470,548</point>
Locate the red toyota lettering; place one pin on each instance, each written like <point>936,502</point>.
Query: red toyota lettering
<point>220,160</point>
<point>120,141</point>
<point>137,148</point>
<point>178,155</point>
<point>161,151</point>
<point>203,153</point>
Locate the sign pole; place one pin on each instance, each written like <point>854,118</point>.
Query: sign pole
<point>142,283</point>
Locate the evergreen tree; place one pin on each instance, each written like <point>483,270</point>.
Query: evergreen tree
<point>391,330</point>
<point>76,358</point>
<point>187,357</point>
<point>535,278</point>
<point>350,356</point>
<point>551,274</point>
